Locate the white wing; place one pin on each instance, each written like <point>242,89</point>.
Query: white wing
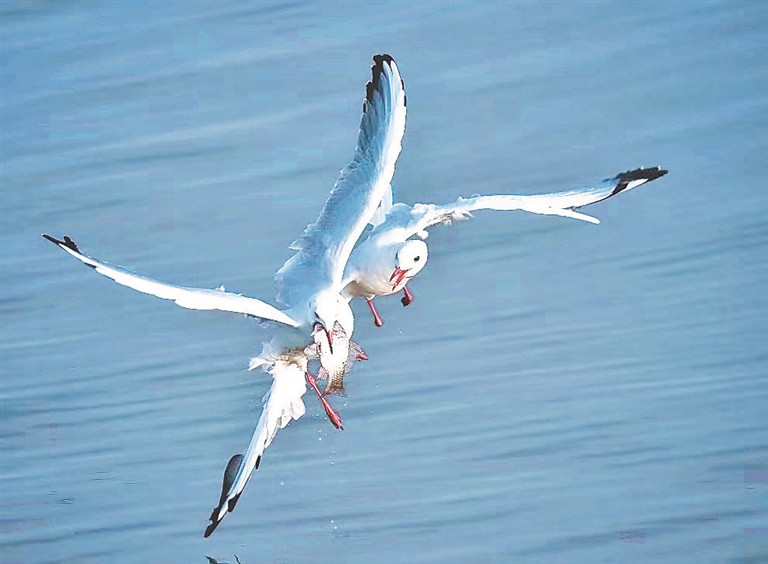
<point>191,298</point>
<point>282,403</point>
<point>384,207</point>
<point>404,221</point>
<point>325,246</point>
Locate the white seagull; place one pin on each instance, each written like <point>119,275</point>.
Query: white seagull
<point>388,258</point>
<point>309,283</point>
<point>323,251</point>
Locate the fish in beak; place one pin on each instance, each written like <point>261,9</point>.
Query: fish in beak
<point>328,334</point>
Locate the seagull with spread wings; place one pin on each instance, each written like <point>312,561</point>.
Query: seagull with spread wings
<point>309,283</point>
<point>390,256</point>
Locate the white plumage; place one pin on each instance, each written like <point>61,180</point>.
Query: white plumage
<point>309,283</point>
<point>331,266</point>
<point>377,261</point>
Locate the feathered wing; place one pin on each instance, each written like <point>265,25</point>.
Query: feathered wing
<point>282,403</point>
<point>404,221</point>
<point>325,246</point>
<point>387,201</point>
<point>190,298</point>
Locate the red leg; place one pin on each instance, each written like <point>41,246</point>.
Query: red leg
<point>329,411</point>
<point>376,318</point>
<point>407,297</point>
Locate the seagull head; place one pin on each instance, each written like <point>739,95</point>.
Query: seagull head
<point>327,309</point>
<point>409,260</point>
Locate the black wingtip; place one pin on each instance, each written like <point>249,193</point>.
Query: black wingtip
<point>383,58</point>
<point>641,174</point>
<point>230,473</point>
<point>210,528</point>
<point>376,70</point>
<point>648,174</point>
<point>67,242</point>
<point>233,503</point>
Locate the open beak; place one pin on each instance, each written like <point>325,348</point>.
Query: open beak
<point>397,277</point>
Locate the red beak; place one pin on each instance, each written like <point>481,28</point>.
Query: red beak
<point>397,276</point>
<point>328,334</point>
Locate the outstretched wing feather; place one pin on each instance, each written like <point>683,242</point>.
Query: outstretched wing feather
<point>190,298</point>
<point>282,404</point>
<point>404,221</point>
<point>325,246</point>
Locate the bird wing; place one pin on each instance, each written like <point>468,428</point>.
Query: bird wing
<point>190,298</point>
<point>387,201</point>
<point>325,246</point>
<point>282,403</point>
<point>404,221</point>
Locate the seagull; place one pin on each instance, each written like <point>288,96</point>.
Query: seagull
<point>309,283</point>
<point>322,310</point>
<point>323,251</point>
<point>389,258</point>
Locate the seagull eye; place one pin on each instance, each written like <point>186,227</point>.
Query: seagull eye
<point>416,259</point>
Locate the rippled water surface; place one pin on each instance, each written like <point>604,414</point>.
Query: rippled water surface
<point>558,392</point>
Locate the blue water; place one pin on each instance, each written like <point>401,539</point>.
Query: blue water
<point>558,391</point>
